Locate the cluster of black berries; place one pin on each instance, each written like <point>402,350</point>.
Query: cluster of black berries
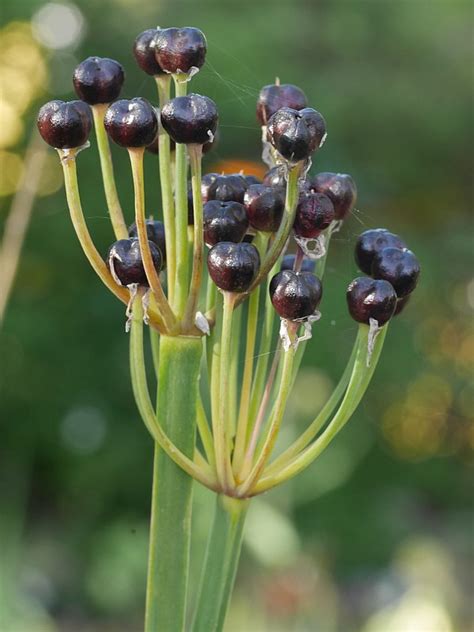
<point>393,274</point>
<point>236,206</point>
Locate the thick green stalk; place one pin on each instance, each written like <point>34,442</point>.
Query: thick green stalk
<point>110,189</point>
<point>163,83</point>
<point>180,361</point>
<point>220,564</point>
<point>358,383</point>
<point>181,222</point>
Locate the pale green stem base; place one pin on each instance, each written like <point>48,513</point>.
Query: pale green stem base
<point>220,564</point>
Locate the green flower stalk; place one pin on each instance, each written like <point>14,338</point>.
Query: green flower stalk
<point>207,290</point>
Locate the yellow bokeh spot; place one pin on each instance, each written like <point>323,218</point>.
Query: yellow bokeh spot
<point>11,167</point>
<point>51,179</point>
<point>11,128</point>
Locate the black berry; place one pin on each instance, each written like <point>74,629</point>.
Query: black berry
<point>98,80</point>
<point>275,178</point>
<point>131,123</point>
<point>251,179</point>
<point>340,188</point>
<point>144,52</point>
<point>125,261</point>
<point>399,267</point>
<point>207,181</point>
<point>224,221</point>
<point>314,213</point>
<point>190,119</point>
<point>155,231</point>
<point>295,295</point>
<point>264,206</point>
<point>370,243</point>
<point>233,267</point>
<point>179,50</point>
<point>307,265</point>
<point>274,97</point>
<point>368,298</point>
<point>65,124</point>
<point>296,134</point>
<point>230,188</point>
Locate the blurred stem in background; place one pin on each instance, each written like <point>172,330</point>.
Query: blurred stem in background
<point>19,216</point>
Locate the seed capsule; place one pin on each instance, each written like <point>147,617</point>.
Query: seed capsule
<point>340,188</point>
<point>399,267</point>
<point>190,119</point>
<point>98,80</point>
<point>372,241</point>
<point>155,231</point>
<point>368,298</point>
<point>296,134</point>
<point>233,267</point>
<point>180,50</point>
<point>274,97</point>
<point>125,261</point>
<point>264,206</point>
<point>131,123</point>
<point>144,52</point>
<point>230,188</point>
<point>295,295</point>
<point>65,124</point>
<point>288,263</point>
<point>314,213</point>
<point>224,221</point>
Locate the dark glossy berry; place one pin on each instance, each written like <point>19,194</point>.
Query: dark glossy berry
<point>295,295</point>
<point>314,213</point>
<point>65,124</point>
<point>340,188</point>
<point>372,241</point>
<point>248,238</point>
<point>251,179</point>
<point>144,52</point>
<point>179,50</point>
<point>307,265</point>
<point>264,206</point>
<point>296,134</point>
<point>275,96</point>
<point>230,188</point>
<point>233,267</point>
<point>207,181</point>
<point>275,178</point>
<point>125,261</point>
<point>368,298</point>
<point>131,123</point>
<point>155,231</point>
<point>224,221</point>
<point>190,119</point>
<point>401,304</point>
<point>399,267</point>
<point>98,80</point>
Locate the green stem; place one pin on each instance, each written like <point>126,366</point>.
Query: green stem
<point>110,189</point>
<point>220,564</point>
<point>170,529</point>
<point>136,161</point>
<point>181,222</point>
<point>163,83</point>
<point>195,155</point>
<point>310,433</point>
<point>358,383</point>
<point>221,425</point>
<point>251,473</point>
<point>243,418</point>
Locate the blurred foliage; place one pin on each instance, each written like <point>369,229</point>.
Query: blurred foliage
<point>377,534</point>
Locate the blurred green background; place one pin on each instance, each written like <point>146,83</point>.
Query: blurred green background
<point>377,535</point>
